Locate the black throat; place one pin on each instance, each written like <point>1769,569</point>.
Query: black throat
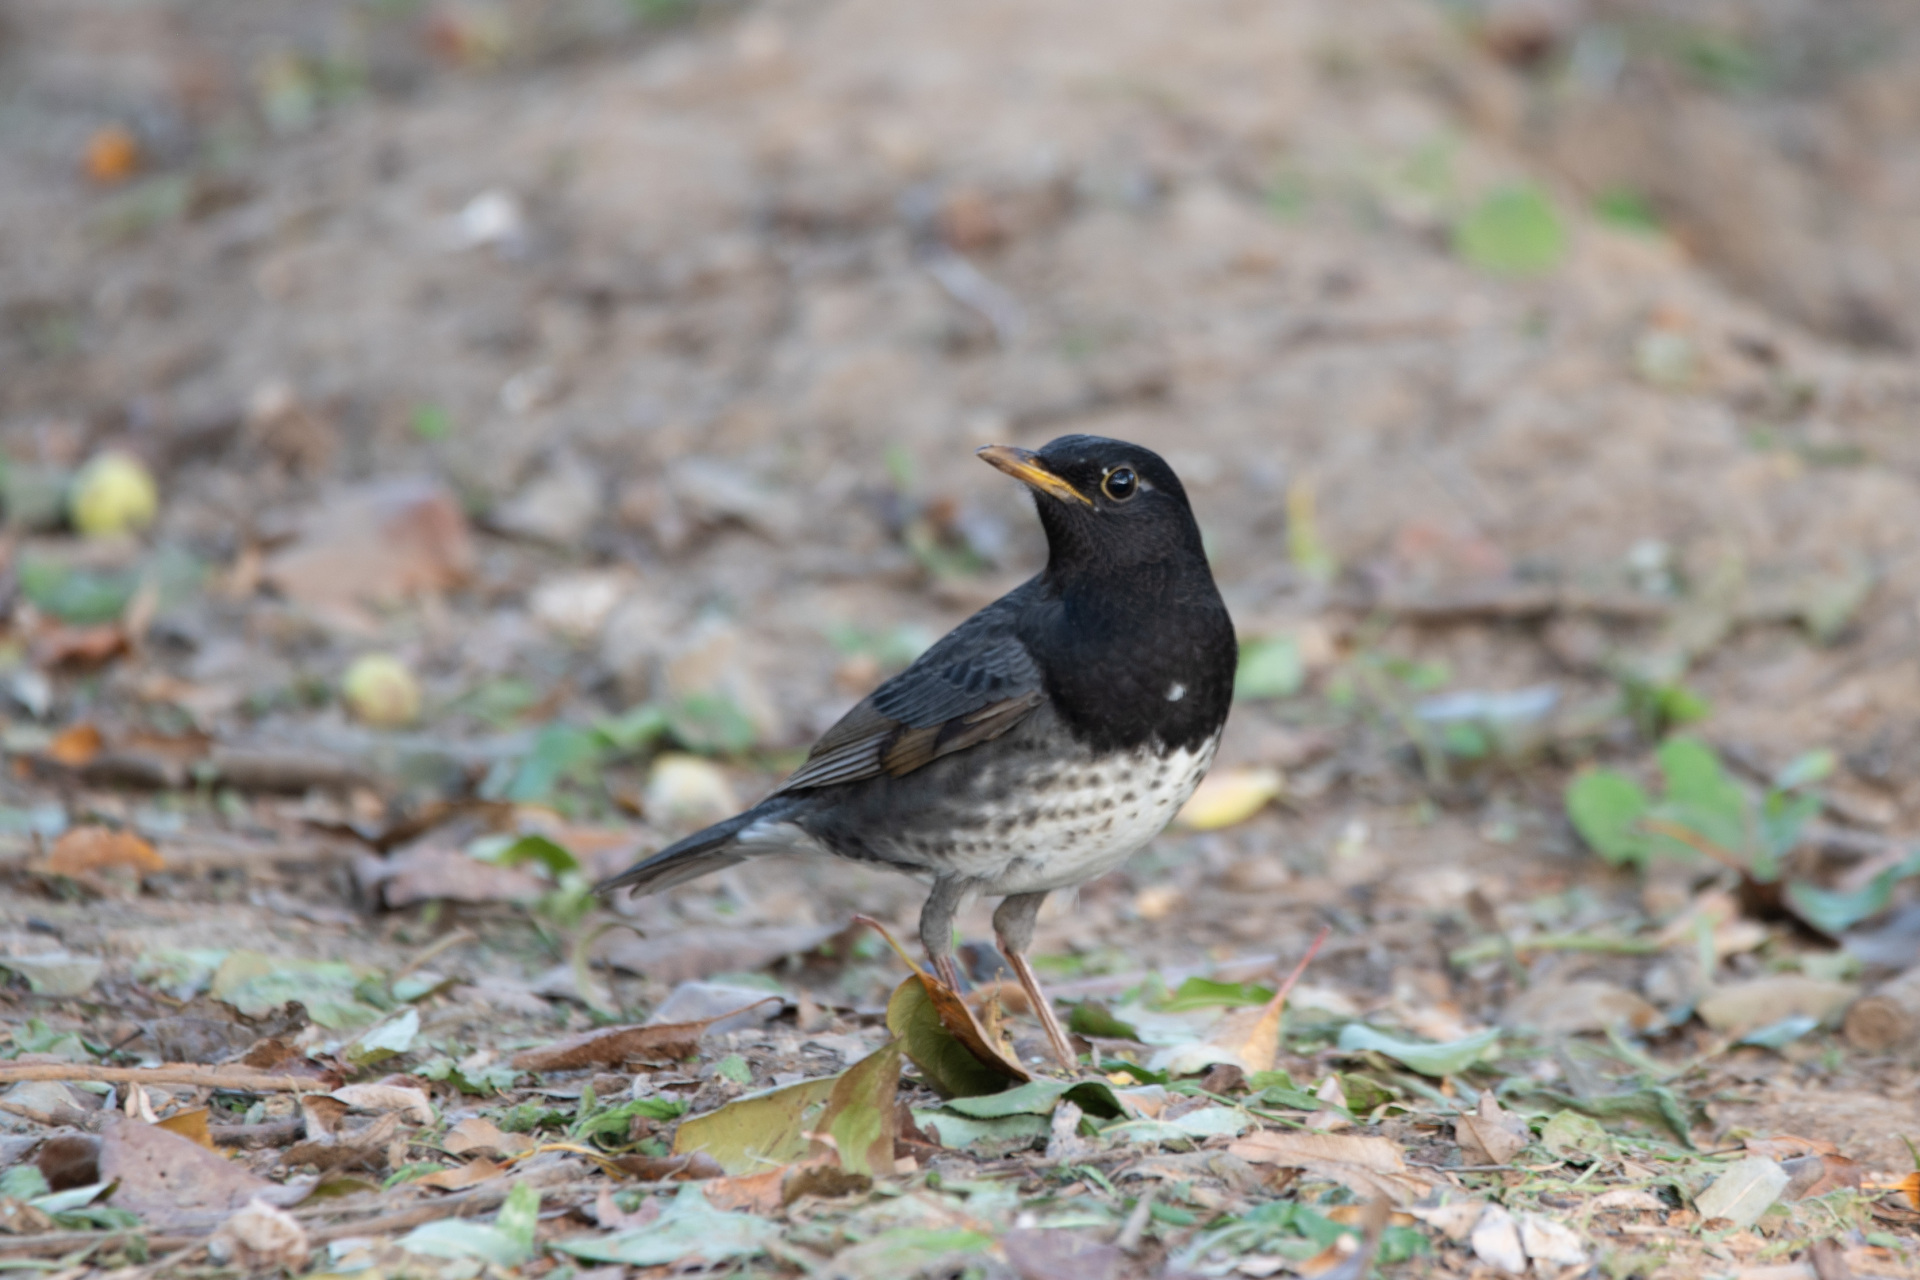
<point>1135,654</point>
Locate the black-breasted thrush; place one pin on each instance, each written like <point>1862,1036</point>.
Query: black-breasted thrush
<point>1041,742</point>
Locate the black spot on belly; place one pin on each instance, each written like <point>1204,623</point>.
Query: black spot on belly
<point>1127,798</point>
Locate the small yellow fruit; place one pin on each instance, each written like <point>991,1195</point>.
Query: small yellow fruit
<point>1230,797</point>
<point>113,494</point>
<point>379,690</point>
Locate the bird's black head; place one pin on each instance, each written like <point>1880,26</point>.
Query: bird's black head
<point>1104,503</point>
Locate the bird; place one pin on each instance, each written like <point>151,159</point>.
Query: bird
<point>1041,742</point>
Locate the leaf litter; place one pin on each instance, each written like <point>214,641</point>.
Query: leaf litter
<point>319,731</point>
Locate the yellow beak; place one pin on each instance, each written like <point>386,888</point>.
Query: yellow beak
<point>1025,465</point>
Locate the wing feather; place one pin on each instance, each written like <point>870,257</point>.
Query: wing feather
<point>976,684</point>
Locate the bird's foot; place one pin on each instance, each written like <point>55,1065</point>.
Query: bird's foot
<point>1043,1009</point>
<point>948,971</point>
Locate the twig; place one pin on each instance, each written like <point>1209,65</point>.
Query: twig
<point>1135,1228</point>
<point>444,943</point>
<point>61,1242</point>
<point>242,1078</point>
<point>1286,988</point>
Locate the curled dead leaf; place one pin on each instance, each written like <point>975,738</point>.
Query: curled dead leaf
<point>83,851</point>
<point>74,746</point>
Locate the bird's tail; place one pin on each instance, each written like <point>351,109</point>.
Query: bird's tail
<point>702,853</point>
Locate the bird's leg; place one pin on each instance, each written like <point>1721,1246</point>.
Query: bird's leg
<point>1013,930</point>
<point>936,927</point>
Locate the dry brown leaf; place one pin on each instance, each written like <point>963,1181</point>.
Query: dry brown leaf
<point>75,745</point>
<point>689,954</point>
<point>612,1217</point>
<point>379,544</point>
<point>462,1176</point>
<point>695,1166</point>
<point>477,1133</point>
<point>112,154</point>
<point>425,872</point>
<point>85,850</point>
<point>1490,1135</point>
<point>1815,1175</point>
<point>346,1149</point>
<point>615,1046</point>
<point>261,1238</point>
<point>192,1125</point>
<point>1367,1166</point>
<point>747,1193</point>
<point>1056,1253</point>
<point>166,1178</point>
<point>1744,1007</point>
<point>412,1103</point>
<point>78,648</point>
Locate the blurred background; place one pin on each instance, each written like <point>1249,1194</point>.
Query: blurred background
<point>429,424</point>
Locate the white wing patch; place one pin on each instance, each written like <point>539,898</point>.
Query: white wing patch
<point>1176,691</point>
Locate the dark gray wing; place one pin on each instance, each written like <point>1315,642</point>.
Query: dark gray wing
<point>975,684</point>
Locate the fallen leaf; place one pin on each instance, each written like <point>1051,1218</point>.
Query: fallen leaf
<point>1569,1008</point>
<point>1455,1220</point>
<point>59,974</point>
<point>760,1130</point>
<point>426,872</point>
<point>78,648</point>
<point>688,1232</point>
<point>83,850</point>
<point>939,1033</point>
<point>860,1122</point>
<point>687,954</point>
<point>749,1192</point>
<point>1747,1189</point>
<point>1568,1135</point>
<point>1547,1241</point>
<point>261,1238</point>
<point>689,1168</point>
<point>616,1046</point>
<point>75,745</point>
<point>1055,1253</point>
<point>1229,797</point>
<point>461,1176</point>
<point>112,154</point>
<point>1745,1007</point>
<point>1437,1060</point>
<point>1496,1241</point>
<point>1490,1135</point>
<point>1368,1166</point>
<point>166,1178</point>
<point>412,1103</point>
<point>1627,1200</point>
<point>379,544</point>
<point>477,1133</point>
<point>191,1125</point>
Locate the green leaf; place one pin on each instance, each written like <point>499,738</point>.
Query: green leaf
<point>24,1182</point>
<point>387,1040</point>
<point>1514,231</point>
<point>459,1238</point>
<point>257,984</point>
<point>1806,769</point>
<point>561,753</point>
<point>497,1078</point>
<point>947,1061</point>
<point>1606,808</point>
<point>1575,1137</point>
<point>84,597</point>
<point>688,1233</point>
<point>1656,1107</point>
<point>1038,1097</point>
<point>519,1215</point>
<point>432,422</point>
<point>1092,1018</point>
<point>511,851</point>
<point>1269,669</point>
<point>860,1112</point>
<point>1446,1059</point>
<point>1628,210</point>
<point>618,1119</point>
<point>711,724</point>
<point>759,1131</point>
<point>959,1132</point>
<point>1204,993</point>
<point>1833,911</point>
<point>633,730</point>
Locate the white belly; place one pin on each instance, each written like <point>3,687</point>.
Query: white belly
<point>1093,818</point>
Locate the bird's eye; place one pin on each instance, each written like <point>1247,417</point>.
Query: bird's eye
<point>1120,484</point>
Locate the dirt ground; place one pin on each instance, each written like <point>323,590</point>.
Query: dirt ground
<point>615,370</point>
